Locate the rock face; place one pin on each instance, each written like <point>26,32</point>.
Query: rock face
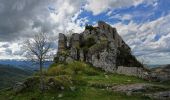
<point>100,46</point>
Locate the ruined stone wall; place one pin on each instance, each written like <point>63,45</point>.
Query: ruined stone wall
<point>98,46</point>
<point>75,40</point>
<point>131,71</point>
<point>62,42</point>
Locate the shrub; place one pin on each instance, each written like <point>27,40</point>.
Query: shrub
<point>58,70</point>
<point>98,47</point>
<point>91,72</point>
<point>53,65</point>
<point>31,81</point>
<point>89,27</point>
<point>60,82</point>
<point>76,67</point>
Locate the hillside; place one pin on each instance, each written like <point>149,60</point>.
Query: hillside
<point>81,81</point>
<point>96,64</point>
<point>10,74</point>
<point>23,64</point>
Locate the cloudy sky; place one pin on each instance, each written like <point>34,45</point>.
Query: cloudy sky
<point>143,24</point>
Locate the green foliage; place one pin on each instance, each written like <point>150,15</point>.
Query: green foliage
<point>59,82</point>
<point>89,27</point>
<point>81,93</point>
<point>80,81</point>
<point>57,70</point>
<point>112,79</point>
<point>77,67</point>
<point>53,65</point>
<point>63,53</point>
<point>91,71</point>
<point>98,47</point>
<point>73,68</point>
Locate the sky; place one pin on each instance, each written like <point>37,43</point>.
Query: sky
<point>143,24</point>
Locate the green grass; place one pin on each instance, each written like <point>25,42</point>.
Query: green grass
<point>90,84</point>
<point>113,79</point>
<point>82,93</point>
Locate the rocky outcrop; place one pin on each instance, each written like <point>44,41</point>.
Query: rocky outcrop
<point>165,95</point>
<point>99,46</point>
<point>131,88</point>
<point>18,87</point>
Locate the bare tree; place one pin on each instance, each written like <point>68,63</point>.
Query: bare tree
<point>38,50</point>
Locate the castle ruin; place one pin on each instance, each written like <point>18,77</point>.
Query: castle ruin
<point>100,46</point>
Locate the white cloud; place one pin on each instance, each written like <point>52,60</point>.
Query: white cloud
<point>21,19</point>
<point>97,7</point>
<point>148,39</point>
<point>121,17</point>
<point>31,16</point>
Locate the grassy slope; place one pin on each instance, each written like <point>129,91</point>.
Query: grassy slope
<point>94,89</point>
<point>84,93</point>
<point>10,74</point>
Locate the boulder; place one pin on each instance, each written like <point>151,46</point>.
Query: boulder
<point>18,87</point>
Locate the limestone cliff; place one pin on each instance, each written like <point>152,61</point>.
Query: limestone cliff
<point>100,46</point>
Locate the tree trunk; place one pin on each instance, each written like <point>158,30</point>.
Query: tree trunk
<point>41,78</point>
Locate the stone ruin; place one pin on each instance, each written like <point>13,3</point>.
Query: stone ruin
<point>99,46</point>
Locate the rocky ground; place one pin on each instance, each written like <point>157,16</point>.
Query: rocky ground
<point>144,88</point>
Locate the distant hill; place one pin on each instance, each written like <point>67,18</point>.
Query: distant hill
<point>10,74</point>
<point>26,65</point>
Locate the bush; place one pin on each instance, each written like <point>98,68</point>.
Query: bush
<point>91,72</point>
<point>53,65</point>
<point>76,67</point>
<point>60,82</point>
<point>57,70</point>
<point>89,27</point>
<point>32,81</point>
<point>73,68</point>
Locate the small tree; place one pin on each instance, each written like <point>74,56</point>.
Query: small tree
<point>37,50</point>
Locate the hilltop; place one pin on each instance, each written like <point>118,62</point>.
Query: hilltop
<point>93,65</point>
<point>100,46</point>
